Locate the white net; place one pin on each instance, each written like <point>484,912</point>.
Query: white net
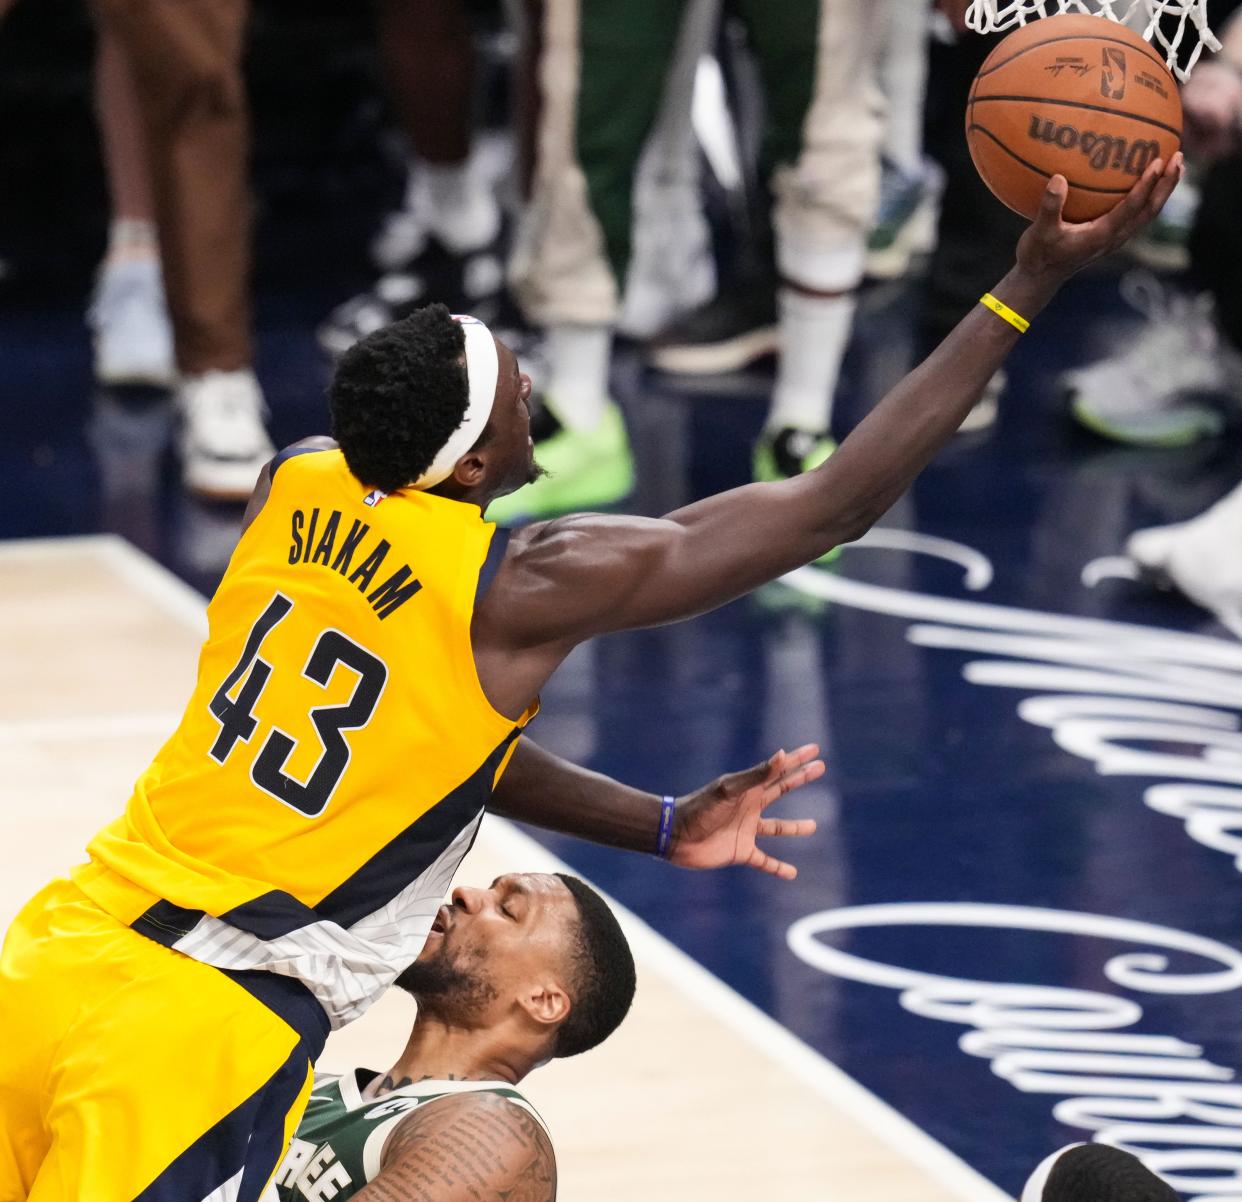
<point>1164,23</point>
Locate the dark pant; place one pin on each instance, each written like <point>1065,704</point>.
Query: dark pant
<point>1216,245</point>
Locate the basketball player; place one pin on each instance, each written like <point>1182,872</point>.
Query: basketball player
<point>1095,1173</point>
<point>533,968</point>
<point>375,650</point>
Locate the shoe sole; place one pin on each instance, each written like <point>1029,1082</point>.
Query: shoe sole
<point>215,488</point>
<point>1159,256</point>
<point>982,416</point>
<point>145,375</point>
<point>136,379</point>
<point>716,358</point>
<point>1171,440</point>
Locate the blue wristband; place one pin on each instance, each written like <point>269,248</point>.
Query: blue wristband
<point>668,807</point>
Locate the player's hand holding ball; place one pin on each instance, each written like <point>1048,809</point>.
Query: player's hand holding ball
<point>1053,249</point>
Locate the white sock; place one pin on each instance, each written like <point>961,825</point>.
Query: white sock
<point>579,357</point>
<point>131,238</point>
<point>459,206</point>
<point>814,331</point>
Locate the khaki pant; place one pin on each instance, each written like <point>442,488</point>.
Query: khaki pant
<point>601,69</point>
<point>186,59</point>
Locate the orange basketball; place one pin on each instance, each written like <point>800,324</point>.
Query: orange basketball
<point>1075,95</point>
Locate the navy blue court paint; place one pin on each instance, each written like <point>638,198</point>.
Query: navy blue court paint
<point>1031,814</point>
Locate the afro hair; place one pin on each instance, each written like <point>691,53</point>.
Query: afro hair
<point>397,395</point>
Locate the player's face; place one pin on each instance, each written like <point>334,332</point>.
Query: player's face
<point>511,451</point>
<point>511,934</point>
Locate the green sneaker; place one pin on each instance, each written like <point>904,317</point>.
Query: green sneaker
<point>905,223</point>
<point>781,454</point>
<point>586,469</point>
<point>789,452</point>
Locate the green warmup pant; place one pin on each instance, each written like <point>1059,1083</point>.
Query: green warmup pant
<point>602,67</point>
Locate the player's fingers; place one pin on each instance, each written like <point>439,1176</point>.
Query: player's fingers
<point>785,828</point>
<point>772,866</point>
<point>1169,178</point>
<point>734,784</point>
<point>793,780</point>
<point>1052,203</point>
<point>1128,214</point>
<point>801,755</point>
<point>776,765</point>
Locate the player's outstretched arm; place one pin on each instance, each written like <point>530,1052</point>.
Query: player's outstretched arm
<point>713,827</point>
<point>469,1147</point>
<point>575,577</point>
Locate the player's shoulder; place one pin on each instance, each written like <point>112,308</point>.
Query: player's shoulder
<point>583,539</point>
<point>499,1115</point>
<point>304,446</point>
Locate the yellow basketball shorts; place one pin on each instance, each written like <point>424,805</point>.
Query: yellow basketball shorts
<point>131,1072</point>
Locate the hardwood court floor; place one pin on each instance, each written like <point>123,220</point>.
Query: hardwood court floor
<point>698,1096</point>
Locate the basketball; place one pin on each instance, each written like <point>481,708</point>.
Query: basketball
<point>1073,95</point>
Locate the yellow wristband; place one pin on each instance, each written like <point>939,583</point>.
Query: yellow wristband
<point>1002,310</point>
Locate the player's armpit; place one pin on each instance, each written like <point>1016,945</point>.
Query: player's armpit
<point>469,1147</point>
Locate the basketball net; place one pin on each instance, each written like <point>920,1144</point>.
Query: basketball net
<point>992,16</point>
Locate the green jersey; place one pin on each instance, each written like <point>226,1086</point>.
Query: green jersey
<point>341,1137</point>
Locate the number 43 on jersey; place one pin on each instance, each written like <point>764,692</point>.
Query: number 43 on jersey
<point>235,700</point>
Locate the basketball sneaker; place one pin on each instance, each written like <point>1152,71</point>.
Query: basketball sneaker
<point>1146,395</point>
<point>223,442</point>
<point>473,221</point>
<point>468,282</point>
<point>983,413</point>
<point>1095,1173</point>
<point>728,333</point>
<point>905,224</point>
<point>781,454</point>
<point>402,237</point>
<point>1199,558</point>
<point>1164,243</point>
<point>129,318</point>
<point>586,469</point>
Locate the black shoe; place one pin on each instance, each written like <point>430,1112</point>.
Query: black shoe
<point>468,283</point>
<point>729,332</point>
<point>782,454</point>
<point>1095,1173</point>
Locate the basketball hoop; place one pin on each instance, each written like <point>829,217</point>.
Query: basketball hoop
<point>993,16</point>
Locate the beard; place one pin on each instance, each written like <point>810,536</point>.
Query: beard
<point>452,991</point>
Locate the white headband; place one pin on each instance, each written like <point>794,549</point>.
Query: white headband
<point>482,369</point>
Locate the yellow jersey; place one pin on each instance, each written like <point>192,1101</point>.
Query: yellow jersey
<point>334,760</point>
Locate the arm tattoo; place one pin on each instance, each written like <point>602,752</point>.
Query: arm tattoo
<point>473,1147</point>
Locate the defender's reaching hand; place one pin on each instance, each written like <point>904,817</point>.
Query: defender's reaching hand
<point>717,826</point>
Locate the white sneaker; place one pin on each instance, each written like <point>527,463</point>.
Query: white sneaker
<point>223,443</point>
<point>1141,396</point>
<point>982,415</point>
<point>1202,558</point>
<point>402,236</point>
<point>133,338</point>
